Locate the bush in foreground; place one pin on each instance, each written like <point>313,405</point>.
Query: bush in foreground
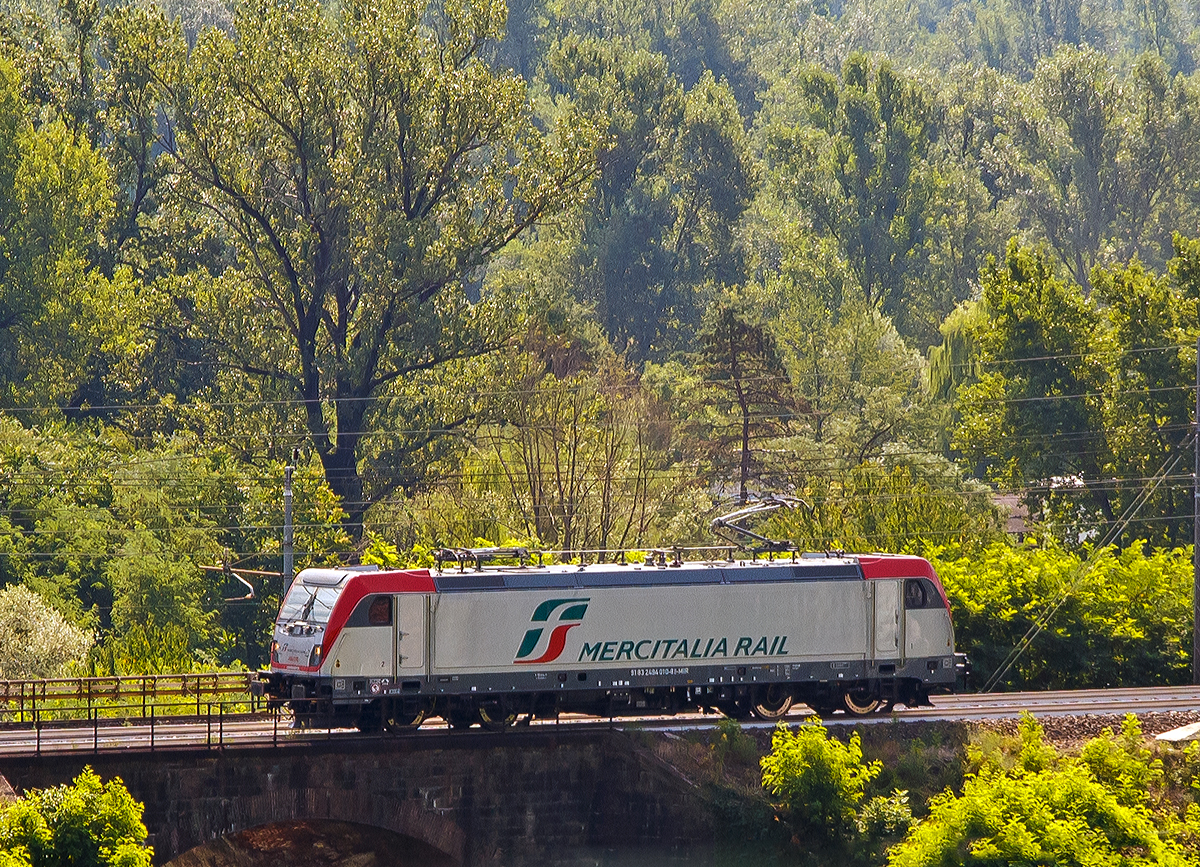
<point>85,824</point>
<point>1096,810</point>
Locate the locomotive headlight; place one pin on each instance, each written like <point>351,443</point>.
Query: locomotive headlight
<point>314,658</point>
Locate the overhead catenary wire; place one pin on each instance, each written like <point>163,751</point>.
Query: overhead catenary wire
<point>108,554</point>
<point>541,388</point>
<point>299,403</point>
<point>104,455</point>
<point>1082,570</point>
<point>815,463</point>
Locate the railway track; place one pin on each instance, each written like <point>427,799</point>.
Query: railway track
<point>243,731</point>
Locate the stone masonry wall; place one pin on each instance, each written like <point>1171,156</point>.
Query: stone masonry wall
<point>512,799</point>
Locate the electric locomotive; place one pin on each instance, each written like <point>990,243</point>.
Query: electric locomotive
<point>476,642</point>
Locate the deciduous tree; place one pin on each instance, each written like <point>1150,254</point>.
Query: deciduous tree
<point>741,362</point>
<point>857,161</point>
<point>366,162</point>
<point>35,640</point>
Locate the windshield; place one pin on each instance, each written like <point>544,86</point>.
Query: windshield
<point>311,604</point>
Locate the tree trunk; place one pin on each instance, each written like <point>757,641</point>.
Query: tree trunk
<point>339,458</point>
<point>341,474</point>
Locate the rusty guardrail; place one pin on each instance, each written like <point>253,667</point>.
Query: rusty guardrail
<point>124,697</point>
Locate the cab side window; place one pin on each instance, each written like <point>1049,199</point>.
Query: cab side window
<point>380,612</point>
<point>915,594</point>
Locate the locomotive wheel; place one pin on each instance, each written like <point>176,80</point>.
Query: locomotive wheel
<point>771,703</point>
<point>397,722</point>
<point>496,715</point>
<point>859,702</point>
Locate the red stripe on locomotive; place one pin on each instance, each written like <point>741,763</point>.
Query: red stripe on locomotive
<point>901,566</point>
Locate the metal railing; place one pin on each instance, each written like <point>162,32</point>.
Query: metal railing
<point>217,726</point>
<point>125,697</point>
<point>203,710</point>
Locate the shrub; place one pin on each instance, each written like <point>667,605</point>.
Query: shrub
<point>886,816</point>
<point>85,823</point>
<point>35,640</point>
<point>1044,810</point>
<point>734,744</point>
<point>1122,764</point>
<point>817,780</point>
<point>1123,620</point>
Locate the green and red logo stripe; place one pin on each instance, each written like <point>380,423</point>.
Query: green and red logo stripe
<point>568,613</point>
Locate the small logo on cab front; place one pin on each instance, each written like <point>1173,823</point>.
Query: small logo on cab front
<point>557,615</point>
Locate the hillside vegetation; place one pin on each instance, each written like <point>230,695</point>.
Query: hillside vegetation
<point>582,275</point>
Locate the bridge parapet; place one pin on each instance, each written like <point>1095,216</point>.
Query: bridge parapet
<point>512,799</point>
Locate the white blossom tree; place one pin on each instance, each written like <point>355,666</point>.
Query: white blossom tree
<point>35,640</point>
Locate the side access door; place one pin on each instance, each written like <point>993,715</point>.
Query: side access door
<point>888,640</point>
<point>412,618</point>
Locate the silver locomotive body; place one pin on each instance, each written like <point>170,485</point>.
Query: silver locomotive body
<point>498,644</point>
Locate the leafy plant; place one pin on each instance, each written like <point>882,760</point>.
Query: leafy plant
<point>817,779</point>
<point>1123,764</point>
<point>1124,620</point>
<point>886,816</point>
<point>35,640</point>
<point>732,743</point>
<point>87,823</point>
<point>1046,809</point>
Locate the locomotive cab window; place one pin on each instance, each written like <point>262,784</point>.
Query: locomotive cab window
<point>915,595</point>
<point>310,604</point>
<point>380,611</point>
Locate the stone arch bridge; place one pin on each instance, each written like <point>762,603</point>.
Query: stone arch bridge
<point>520,797</point>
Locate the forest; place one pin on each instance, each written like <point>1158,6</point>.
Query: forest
<point>581,276</point>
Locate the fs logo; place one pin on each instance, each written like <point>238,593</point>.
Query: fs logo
<point>567,613</point>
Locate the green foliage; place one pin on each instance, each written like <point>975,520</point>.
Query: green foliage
<point>475,298</point>
<point>1126,619</point>
<point>356,244</point>
<point>857,153</point>
<point>886,816</point>
<point>675,174</point>
<point>743,367</point>
<point>114,535</point>
<point>58,312</point>
<point>87,824</point>
<point>35,640</point>
<point>1060,817</point>
<point>1080,400</point>
<point>380,552</point>
<point>817,780</point>
<point>581,459</point>
<point>893,505</point>
<point>1123,764</point>
<point>1046,810</point>
<point>1034,345</point>
<point>161,649</point>
<point>733,745</point>
<point>1096,150</point>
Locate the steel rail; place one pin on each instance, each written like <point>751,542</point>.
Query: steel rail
<point>219,727</point>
